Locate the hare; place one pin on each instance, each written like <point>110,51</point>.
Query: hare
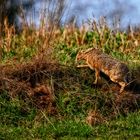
<point>117,71</point>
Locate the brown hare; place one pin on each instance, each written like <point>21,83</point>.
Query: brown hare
<point>117,71</point>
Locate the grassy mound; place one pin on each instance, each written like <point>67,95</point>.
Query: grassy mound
<point>44,95</point>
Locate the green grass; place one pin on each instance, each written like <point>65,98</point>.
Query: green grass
<point>33,124</point>
<point>21,120</point>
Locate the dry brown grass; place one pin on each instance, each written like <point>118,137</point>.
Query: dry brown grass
<point>30,80</point>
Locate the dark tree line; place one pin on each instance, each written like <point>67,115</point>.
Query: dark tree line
<point>13,9</point>
<point>10,9</point>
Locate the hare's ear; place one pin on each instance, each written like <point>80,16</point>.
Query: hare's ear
<point>95,47</point>
<point>80,51</point>
<point>88,50</point>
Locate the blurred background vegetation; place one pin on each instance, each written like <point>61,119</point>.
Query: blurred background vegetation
<point>60,12</point>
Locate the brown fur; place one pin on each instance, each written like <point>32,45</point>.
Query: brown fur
<point>117,71</point>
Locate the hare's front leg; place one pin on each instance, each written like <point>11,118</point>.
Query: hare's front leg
<point>97,76</point>
<point>82,66</point>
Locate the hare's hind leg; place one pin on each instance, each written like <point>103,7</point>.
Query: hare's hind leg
<point>97,76</point>
<point>123,85</point>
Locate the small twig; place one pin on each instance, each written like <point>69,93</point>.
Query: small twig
<point>48,119</point>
